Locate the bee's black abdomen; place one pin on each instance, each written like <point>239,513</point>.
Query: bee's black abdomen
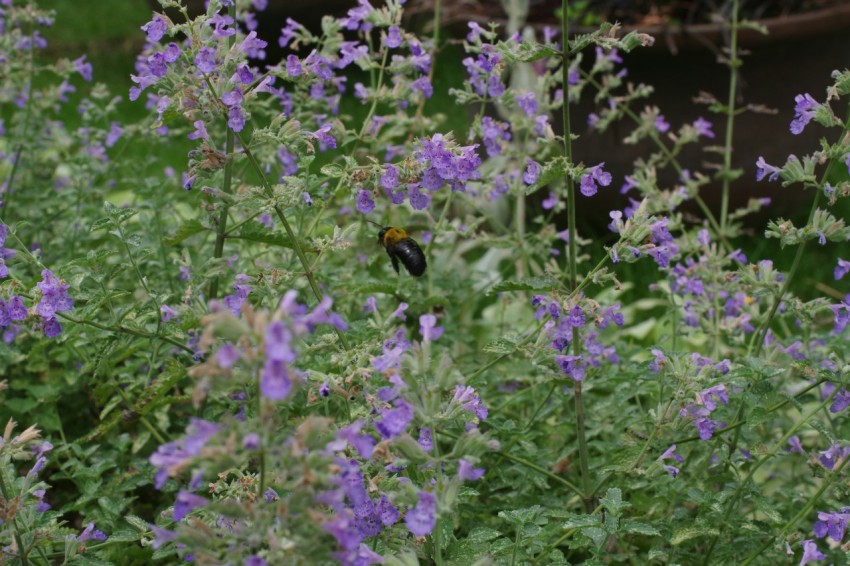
<point>408,252</point>
<point>402,248</point>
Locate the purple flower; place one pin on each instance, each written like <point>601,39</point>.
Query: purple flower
<point>155,29</point>
<point>670,454</point>
<point>425,440</point>
<point>200,131</point>
<point>5,253</point>
<point>660,360</point>
<point>393,38</point>
<point>362,443</point>
<point>234,302</point>
<point>467,472</point>
<point>365,204</point>
<point>591,177</point>
<point>186,502</point>
<point>810,552</point>
<point>764,169</point>
<point>91,533</point>
<point>469,400</point>
<point>493,133</point>
<point>710,396</point>
<point>661,123</point>
<point>253,46</point>
<point>168,313</point>
<point>227,355</point>
<point>804,111</point>
<point>255,560</point>
<point>393,422</point>
<point>532,172</point>
<point>221,23</point>
<point>287,34</point>
<point>418,199</point>
<point>205,60</point>
<point>251,441</point>
<point>421,519</point>
<point>114,134</point>
<point>423,86</point>
<point>572,366</point>
<point>389,180</point>
<point>795,446</point>
<point>172,456</point>
<point>840,402</point>
<point>161,536</point>
<point>527,103</point>
<point>235,118</point>
<point>275,382</point>
<point>428,327</point>
<point>83,67</point>
<point>550,202</point>
<point>703,127</point>
<point>841,269</point>
<point>832,524</point>
<point>17,309</point>
<point>832,455</point>
<point>399,312</point>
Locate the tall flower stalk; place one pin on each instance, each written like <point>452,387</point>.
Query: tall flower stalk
<point>572,250</point>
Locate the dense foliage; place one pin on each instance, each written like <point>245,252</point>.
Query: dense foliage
<point>220,365</point>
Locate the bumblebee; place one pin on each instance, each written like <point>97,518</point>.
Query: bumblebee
<point>403,248</point>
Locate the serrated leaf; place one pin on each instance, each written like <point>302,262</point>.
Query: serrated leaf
<point>185,230</point>
<point>521,516</point>
<point>100,224</point>
<point>691,532</point>
<point>636,527</point>
<point>529,284</point>
<point>258,233</point>
<point>581,522</point>
<point>613,501</point>
<point>377,287</point>
<point>137,523</point>
<point>480,535</point>
<point>500,346</point>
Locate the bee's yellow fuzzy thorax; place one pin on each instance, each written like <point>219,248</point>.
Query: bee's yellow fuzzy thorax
<point>394,235</point>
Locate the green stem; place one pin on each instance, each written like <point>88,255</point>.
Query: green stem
<point>573,246</point>
<point>221,226</point>
<point>734,63</point>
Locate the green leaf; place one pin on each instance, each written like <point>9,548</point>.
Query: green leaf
<point>500,346</point>
<point>690,532</point>
<point>613,501</point>
<point>185,230</point>
<point>543,283</point>
<point>138,523</point>
<point>581,522</point>
<point>636,527</point>
<point>521,516</point>
<point>256,232</point>
<point>480,535</point>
